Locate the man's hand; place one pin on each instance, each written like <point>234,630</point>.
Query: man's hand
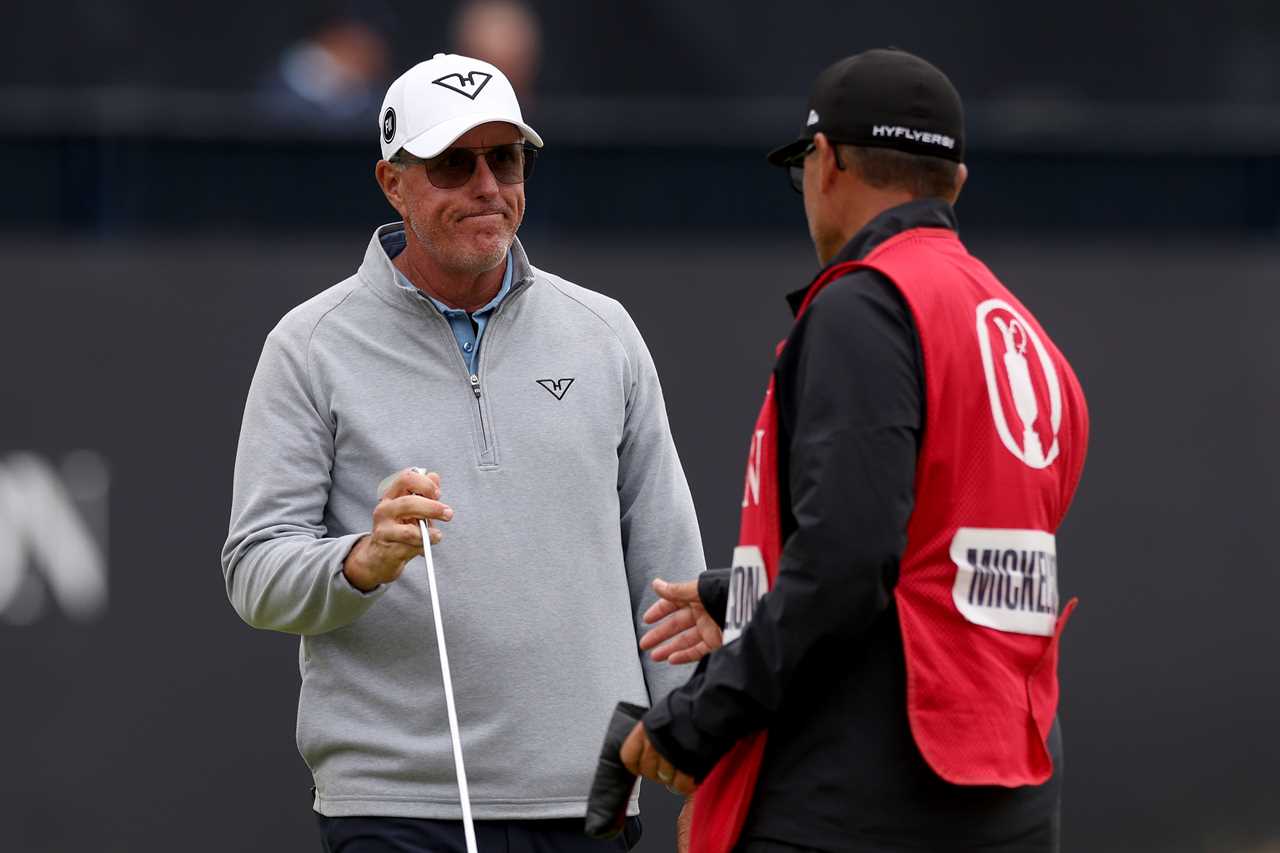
<point>642,758</point>
<point>396,539</point>
<point>685,629</point>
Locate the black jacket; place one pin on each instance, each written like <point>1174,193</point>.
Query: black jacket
<point>821,665</point>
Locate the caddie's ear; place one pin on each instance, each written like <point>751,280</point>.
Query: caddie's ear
<point>826,158</point>
<point>390,178</point>
<point>962,175</point>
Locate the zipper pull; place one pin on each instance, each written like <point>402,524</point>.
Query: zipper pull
<point>475,385</point>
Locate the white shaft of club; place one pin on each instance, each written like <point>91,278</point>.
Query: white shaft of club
<point>467,826</point>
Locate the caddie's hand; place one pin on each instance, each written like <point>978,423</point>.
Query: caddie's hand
<point>642,758</point>
<point>685,631</point>
<point>396,538</point>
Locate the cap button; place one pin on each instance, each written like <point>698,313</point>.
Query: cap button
<point>438,56</point>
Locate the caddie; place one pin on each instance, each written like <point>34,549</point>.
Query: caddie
<point>888,675</point>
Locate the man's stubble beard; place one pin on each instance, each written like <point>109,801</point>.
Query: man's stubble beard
<point>452,257</point>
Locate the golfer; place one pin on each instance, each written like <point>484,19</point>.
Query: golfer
<point>895,687</point>
<point>549,476</point>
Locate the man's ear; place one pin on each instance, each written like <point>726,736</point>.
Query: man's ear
<point>824,152</point>
<point>391,179</point>
<point>962,175</point>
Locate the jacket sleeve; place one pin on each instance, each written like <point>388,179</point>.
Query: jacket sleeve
<point>851,408</point>
<point>281,569</point>
<point>660,536</point>
<point>713,592</point>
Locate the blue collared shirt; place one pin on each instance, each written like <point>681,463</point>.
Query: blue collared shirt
<point>467,328</point>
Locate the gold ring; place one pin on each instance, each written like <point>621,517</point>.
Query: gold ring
<point>665,778</point>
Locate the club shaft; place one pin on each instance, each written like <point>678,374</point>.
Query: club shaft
<point>467,826</point>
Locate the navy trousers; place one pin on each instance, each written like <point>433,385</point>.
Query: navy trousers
<point>416,835</point>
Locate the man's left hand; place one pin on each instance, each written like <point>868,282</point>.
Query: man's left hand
<point>642,758</point>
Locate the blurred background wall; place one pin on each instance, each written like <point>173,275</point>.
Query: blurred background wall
<point>175,177</point>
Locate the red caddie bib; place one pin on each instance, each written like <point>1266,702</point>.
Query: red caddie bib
<point>1006,430</point>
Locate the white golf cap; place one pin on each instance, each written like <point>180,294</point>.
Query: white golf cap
<point>434,102</point>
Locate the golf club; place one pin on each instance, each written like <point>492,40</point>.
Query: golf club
<point>467,826</point>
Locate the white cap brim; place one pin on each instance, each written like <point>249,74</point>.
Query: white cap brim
<point>429,144</point>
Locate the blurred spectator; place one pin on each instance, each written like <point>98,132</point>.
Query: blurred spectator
<point>335,76</point>
<point>506,33</point>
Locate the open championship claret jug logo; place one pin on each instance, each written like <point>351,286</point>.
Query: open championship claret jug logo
<point>1026,399</point>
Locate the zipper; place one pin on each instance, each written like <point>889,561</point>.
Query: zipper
<point>487,455</point>
<point>475,389</point>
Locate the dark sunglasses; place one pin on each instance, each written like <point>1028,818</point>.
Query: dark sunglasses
<point>453,167</point>
<point>795,166</point>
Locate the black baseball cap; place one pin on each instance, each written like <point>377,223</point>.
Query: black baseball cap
<point>883,98</point>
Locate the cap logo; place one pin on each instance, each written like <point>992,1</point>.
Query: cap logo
<point>887,131</point>
<point>469,85</point>
<point>389,125</point>
<point>813,118</point>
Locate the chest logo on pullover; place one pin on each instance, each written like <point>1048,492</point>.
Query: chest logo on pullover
<point>556,387</point>
<point>1022,384</point>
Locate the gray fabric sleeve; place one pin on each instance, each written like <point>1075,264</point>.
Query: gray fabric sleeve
<point>282,572</point>
<point>660,535</point>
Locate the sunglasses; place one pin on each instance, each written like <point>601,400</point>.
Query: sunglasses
<point>453,167</point>
<point>795,166</point>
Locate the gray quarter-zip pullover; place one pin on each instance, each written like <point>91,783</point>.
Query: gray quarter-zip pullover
<point>569,499</point>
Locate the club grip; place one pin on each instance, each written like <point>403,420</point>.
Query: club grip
<point>613,783</point>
